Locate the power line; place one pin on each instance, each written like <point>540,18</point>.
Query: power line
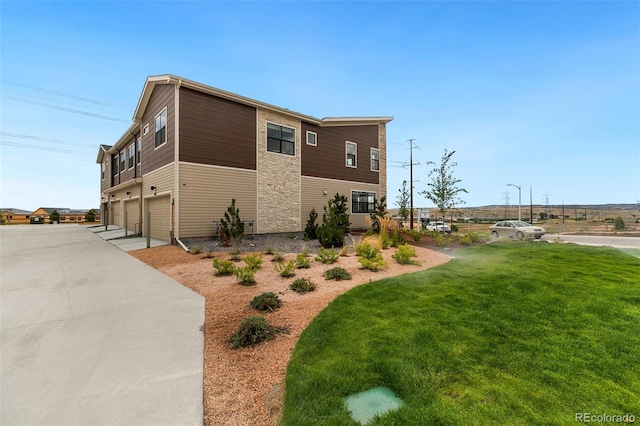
<point>44,148</point>
<point>66,95</point>
<point>9,94</point>
<point>75,111</point>
<point>37,138</point>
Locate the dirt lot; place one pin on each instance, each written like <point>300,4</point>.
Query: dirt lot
<point>245,386</point>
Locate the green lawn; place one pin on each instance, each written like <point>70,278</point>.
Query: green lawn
<point>513,333</point>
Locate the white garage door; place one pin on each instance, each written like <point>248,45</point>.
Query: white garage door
<point>160,210</point>
<point>132,207</point>
<point>115,213</point>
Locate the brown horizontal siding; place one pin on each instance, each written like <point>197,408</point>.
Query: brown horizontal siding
<point>106,182</point>
<point>216,131</point>
<point>128,173</point>
<point>328,158</point>
<point>153,158</point>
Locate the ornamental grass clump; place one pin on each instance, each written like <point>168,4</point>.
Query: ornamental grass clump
<point>251,331</point>
<point>223,267</point>
<point>268,301</point>
<point>303,261</point>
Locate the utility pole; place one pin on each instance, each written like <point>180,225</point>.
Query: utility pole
<point>531,204</point>
<point>505,197</point>
<point>519,200</point>
<point>411,179</point>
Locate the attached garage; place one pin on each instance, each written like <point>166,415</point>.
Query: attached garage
<point>132,208</point>
<point>115,214</point>
<point>160,209</point>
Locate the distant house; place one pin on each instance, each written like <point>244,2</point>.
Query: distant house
<point>14,216</point>
<point>192,148</point>
<point>67,215</point>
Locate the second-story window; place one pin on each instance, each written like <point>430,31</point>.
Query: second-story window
<point>104,168</point>
<point>122,161</point>
<point>161,128</point>
<point>375,159</point>
<point>131,153</point>
<point>138,149</point>
<point>114,162</point>
<point>352,154</point>
<point>281,139</point>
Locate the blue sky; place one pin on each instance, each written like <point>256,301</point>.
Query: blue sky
<point>538,94</point>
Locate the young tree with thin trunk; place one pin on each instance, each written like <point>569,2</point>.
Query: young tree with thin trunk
<point>443,190</point>
<point>403,201</point>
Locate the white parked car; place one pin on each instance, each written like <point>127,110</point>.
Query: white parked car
<point>439,226</point>
<point>517,229</point>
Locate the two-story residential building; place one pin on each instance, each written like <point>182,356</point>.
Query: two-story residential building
<point>193,148</point>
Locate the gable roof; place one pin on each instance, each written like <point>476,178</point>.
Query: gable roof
<point>101,152</point>
<point>154,80</point>
<point>15,211</point>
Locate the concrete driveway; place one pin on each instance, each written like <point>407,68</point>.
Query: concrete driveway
<point>92,336</point>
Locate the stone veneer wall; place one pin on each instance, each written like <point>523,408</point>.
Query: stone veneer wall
<point>278,179</point>
<point>382,145</point>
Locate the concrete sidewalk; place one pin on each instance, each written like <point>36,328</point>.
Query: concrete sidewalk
<point>119,238</point>
<point>92,336</point>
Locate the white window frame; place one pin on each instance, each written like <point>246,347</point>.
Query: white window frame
<point>131,156</point>
<point>375,198</point>
<point>138,150</point>
<point>372,151</point>
<point>115,166</point>
<point>346,154</point>
<point>104,168</point>
<point>315,137</point>
<point>166,130</point>
<point>123,161</point>
<point>267,139</point>
<point>145,129</point>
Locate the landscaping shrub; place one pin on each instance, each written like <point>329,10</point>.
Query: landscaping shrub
<point>327,256</point>
<point>254,261</point>
<point>285,269</point>
<point>268,301</point>
<point>223,267</point>
<point>302,261</point>
<point>302,285</point>
<point>235,255</point>
<point>310,231</point>
<point>368,243</point>
<point>277,257</point>
<point>335,222</point>
<point>196,249</point>
<point>344,251</point>
<point>232,227</point>
<point>371,258</point>
<point>618,224</point>
<point>338,273</point>
<point>252,330</point>
<point>404,255</point>
<point>269,250</point>
<point>91,216</point>
<point>245,276</point>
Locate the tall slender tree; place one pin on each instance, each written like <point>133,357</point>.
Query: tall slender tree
<point>402,201</point>
<point>443,190</point>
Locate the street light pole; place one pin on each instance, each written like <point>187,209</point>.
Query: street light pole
<point>519,200</point>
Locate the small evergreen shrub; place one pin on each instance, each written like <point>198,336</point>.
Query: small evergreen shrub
<point>254,261</point>
<point>251,331</point>
<point>223,267</point>
<point>302,261</point>
<point>90,216</point>
<point>232,227</point>
<point>618,224</point>
<point>302,285</point>
<point>338,273</point>
<point>327,256</point>
<point>404,255</point>
<point>287,269</point>
<point>268,301</point>
<point>371,258</point>
<point>245,276</point>
<point>310,231</point>
<point>335,222</point>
